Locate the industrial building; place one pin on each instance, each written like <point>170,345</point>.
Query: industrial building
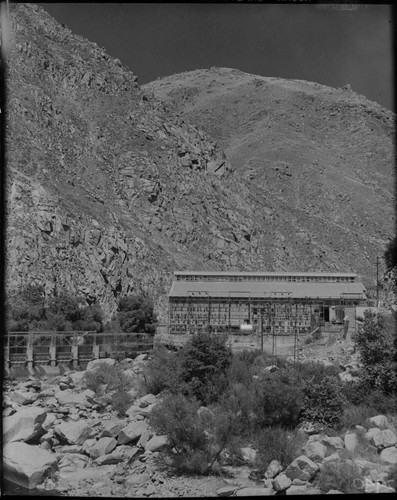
<point>261,302</point>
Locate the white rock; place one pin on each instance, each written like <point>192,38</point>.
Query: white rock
<point>273,469</point>
<point>389,455</point>
<point>27,465</point>
<point>23,425</point>
<point>24,397</point>
<point>302,468</point>
<point>94,364</point>
<point>351,441</point>
<point>254,492</point>
<point>70,462</point>
<point>113,427</point>
<point>333,444</point>
<point>297,490</point>
<point>315,450</point>
<point>103,446</point>
<point>281,482</point>
<point>70,397</point>
<point>375,436</point>
<point>379,421</point>
<point>144,401</point>
<point>389,438</point>
<point>132,432</point>
<point>157,443</point>
<point>248,454</point>
<point>73,432</point>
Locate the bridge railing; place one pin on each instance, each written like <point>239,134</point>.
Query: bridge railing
<point>52,347</point>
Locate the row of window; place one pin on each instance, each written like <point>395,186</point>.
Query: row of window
<point>277,279</point>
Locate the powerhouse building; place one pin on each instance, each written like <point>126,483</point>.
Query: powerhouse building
<point>261,302</point>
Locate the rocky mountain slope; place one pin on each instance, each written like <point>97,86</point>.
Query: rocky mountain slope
<point>320,159</point>
<point>109,191</point>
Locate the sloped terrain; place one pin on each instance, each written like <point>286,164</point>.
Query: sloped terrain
<point>321,159</point>
<point>110,191</point>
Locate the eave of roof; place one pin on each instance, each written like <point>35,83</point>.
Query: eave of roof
<point>264,273</point>
<point>263,289</point>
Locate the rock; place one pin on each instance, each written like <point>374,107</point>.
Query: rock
<point>273,469</point>
<point>140,357</point>
<point>331,458</point>
<point>379,421</point>
<point>297,490</point>
<point>254,492</point>
<point>315,451</point>
<point>374,436</point>
<point>389,455</point>
<point>333,444</point>
<point>132,432</point>
<point>334,492</point>
<point>248,454</point>
<point>88,444</point>
<point>313,491</point>
<point>103,446</point>
<point>144,438</point>
<point>389,438</point>
<point>226,491</point>
<point>302,468</point>
<point>135,479</point>
<point>78,379</point>
<point>157,443</point>
<point>112,428</point>
<point>271,368</point>
<point>299,482</point>
<point>145,401</point>
<point>281,482</point>
<point>94,364</point>
<point>27,465</point>
<point>70,397</point>
<point>73,432</point>
<point>71,462</point>
<point>89,394</point>
<point>125,452</point>
<point>108,459</point>
<point>72,448</point>
<point>374,487</point>
<point>351,441</point>
<point>23,425</point>
<point>24,397</point>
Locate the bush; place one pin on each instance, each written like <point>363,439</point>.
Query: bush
<point>343,476</point>
<point>378,353</point>
<point>162,372</point>
<point>112,376</point>
<point>323,401</point>
<point>205,361</point>
<point>356,415</point>
<point>276,443</point>
<point>25,309</point>
<point>135,313</point>
<point>197,438</point>
<point>390,254</point>
<point>121,401</point>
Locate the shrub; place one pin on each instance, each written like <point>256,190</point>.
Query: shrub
<point>276,443</point>
<point>378,353</point>
<point>162,372</point>
<point>390,254</point>
<point>112,376</point>
<point>135,313</point>
<point>356,415</point>
<point>343,476</point>
<point>121,401</point>
<point>205,361</point>
<point>197,438</point>
<point>323,401</point>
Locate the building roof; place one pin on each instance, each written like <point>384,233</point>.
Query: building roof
<point>264,273</point>
<point>263,289</point>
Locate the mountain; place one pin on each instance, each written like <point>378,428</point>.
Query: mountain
<point>110,190</point>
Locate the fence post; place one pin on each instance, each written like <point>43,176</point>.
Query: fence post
<point>75,352</point>
<point>53,350</point>
<point>29,350</point>
<point>7,353</point>
<point>95,348</point>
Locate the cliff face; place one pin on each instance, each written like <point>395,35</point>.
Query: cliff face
<point>109,191</point>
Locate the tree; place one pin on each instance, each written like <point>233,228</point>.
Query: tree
<point>377,348</point>
<point>135,313</point>
<point>25,310</point>
<point>391,253</point>
<point>204,368</point>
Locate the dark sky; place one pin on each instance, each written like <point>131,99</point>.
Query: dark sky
<point>306,42</point>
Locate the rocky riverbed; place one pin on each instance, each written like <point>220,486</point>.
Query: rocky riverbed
<point>60,436</point>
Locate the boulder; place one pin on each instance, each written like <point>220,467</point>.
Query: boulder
<point>374,436</point>
<point>302,468</point>
<point>389,455</point>
<point>389,438</point>
<point>49,421</point>
<point>157,443</point>
<point>334,492</point>
<point>297,490</point>
<point>78,379</point>
<point>112,428</point>
<point>103,446</point>
<point>273,469</point>
<point>145,401</point>
<point>140,357</point>
<point>73,432</point>
<point>333,444</point>
<point>281,482</point>
<point>108,459</point>
<point>72,448</point>
<point>23,425</point>
<point>125,452</point>
<point>94,364</point>
<point>132,432</point>
<point>27,465</point>
<point>351,441</point>
<point>254,492</point>
<point>144,438</point>
<point>379,421</point>
<point>71,462</point>
<point>315,450</point>
<point>24,397</point>
<point>70,397</point>
<point>226,491</point>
